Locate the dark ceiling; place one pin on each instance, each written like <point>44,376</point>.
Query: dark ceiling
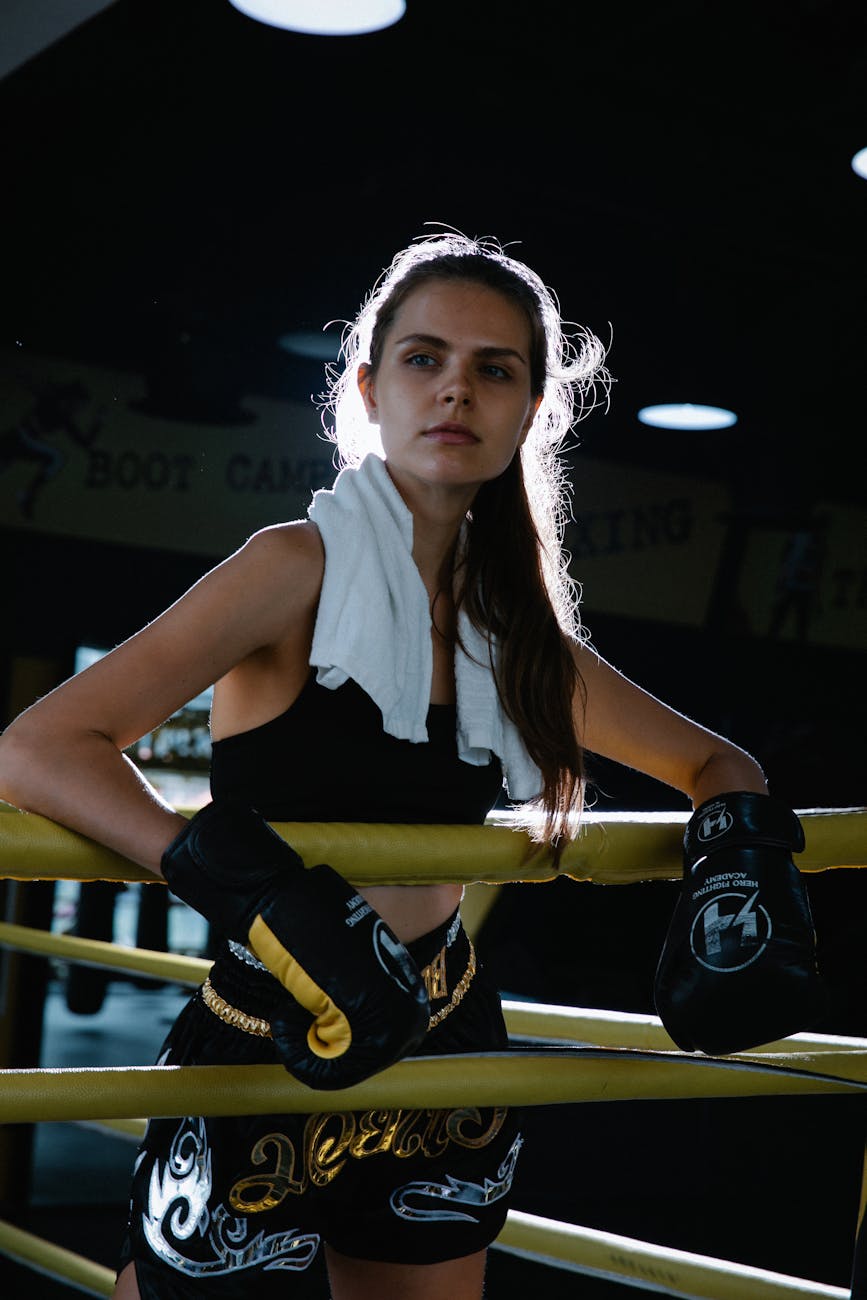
<point>183,182</point>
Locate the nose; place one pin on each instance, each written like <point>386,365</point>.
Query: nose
<point>456,388</point>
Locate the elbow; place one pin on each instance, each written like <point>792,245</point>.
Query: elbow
<point>19,756</point>
<point>727,768</point>
<point>33,761</point>
<point>41,759</point>
<point>10,763</point>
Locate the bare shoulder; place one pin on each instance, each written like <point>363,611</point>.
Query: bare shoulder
<point>280,574</point>
<point>295,548</point>
<point>283,564</point>
<point>299,536</point>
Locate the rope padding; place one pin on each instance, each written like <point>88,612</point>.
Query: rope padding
<point>56,1261</point>
<point>528,1020</point>
<point>189,971</point>
<point>648,1266</point>
<point>543,1241</point>
<point>488,1079</point>
<point>612,848</point>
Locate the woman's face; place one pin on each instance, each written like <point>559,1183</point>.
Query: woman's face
<point>452,393</point>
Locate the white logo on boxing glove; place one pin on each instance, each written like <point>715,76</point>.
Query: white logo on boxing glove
<point>716,821</point>
<point>730,932</point>
<point>389,954</point>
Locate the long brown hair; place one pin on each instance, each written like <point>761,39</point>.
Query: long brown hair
<point>512,578</point>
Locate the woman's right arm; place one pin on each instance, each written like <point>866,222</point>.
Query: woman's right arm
<point>63,758</point>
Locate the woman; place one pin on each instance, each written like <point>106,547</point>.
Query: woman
<point>430,593</point>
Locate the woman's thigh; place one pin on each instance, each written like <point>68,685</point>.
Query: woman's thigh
<point>369,1279</point>
<point>366,1279</point>
<point>126,1287</point>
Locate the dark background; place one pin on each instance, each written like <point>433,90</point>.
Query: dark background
<point>680,172</point>
<point>184,185</point>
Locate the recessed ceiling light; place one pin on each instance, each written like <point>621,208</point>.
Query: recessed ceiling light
<point>686,415</point>
<point>316,345</point>
<point>859,163</point>
<point>324,17</point>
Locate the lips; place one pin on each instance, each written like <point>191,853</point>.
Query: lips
<point>451,434</point>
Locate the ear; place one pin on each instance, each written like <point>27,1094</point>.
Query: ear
<point>365,387</point>
<point>528,423</point>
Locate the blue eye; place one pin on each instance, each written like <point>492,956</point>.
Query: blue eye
<point>420,359</point>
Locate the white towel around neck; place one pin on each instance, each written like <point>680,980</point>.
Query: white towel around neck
<point>374,625</point>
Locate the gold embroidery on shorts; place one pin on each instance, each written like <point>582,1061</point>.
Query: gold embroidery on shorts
<point>460,989</point>
<point>274,1185</point>
<point>330,1139</point>
<point>325,1155</point>
<point>471,1115</point>
<point>434,977</point>
<point>374,1132</point>
<point>420,1131</point>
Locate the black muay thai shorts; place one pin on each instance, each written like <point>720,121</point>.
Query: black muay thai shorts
<point>226,1207</point>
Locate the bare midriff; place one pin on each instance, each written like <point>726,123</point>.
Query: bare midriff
<point>413,910</point>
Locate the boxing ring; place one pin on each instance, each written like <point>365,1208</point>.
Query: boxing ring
<point>567,1054</point>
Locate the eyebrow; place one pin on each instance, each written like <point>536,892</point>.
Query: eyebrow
<point>433,341</point>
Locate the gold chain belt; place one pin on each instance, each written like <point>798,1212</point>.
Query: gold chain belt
<point>261,1028</point>
<point>232,1015</point>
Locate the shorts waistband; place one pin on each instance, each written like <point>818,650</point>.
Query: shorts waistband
<point>447,977</point>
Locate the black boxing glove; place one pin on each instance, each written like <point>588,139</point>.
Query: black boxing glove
<point>363,1003</point>
<point>738,966</point>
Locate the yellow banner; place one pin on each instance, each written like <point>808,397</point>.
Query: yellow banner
<point>644,544</point>
<point>808,583</point>
<point>78,459</point>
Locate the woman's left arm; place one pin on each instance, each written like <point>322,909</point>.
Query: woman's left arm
<point>738,965</point>
<point>623,722</point>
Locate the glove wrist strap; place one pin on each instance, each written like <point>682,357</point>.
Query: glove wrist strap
<point>741,818</point>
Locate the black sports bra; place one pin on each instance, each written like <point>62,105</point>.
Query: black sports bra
<point>328,759</point>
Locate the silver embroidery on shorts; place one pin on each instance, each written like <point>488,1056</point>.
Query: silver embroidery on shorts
<point>456,1191</point>
<point>185,1184</point>
<point>243,954</point>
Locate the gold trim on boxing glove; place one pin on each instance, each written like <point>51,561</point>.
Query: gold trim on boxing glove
<point>330,1034</point>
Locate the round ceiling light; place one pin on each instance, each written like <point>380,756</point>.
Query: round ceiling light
<point>324,17</point>
<point>859,163</point>
<point>686,415</point>
<point>308,343</point>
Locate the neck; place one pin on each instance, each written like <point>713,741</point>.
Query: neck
<point>433,552</point>
<point>437,518</point>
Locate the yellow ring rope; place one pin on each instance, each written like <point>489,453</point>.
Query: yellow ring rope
<point>534,1078</point>
<point>643,1264</point>
<point>523,1019</point>
<point>583,1250</point>
<point>607,851</point>
<point>94,1278</point>
<point>617,848</point>
<point>189,971</point>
